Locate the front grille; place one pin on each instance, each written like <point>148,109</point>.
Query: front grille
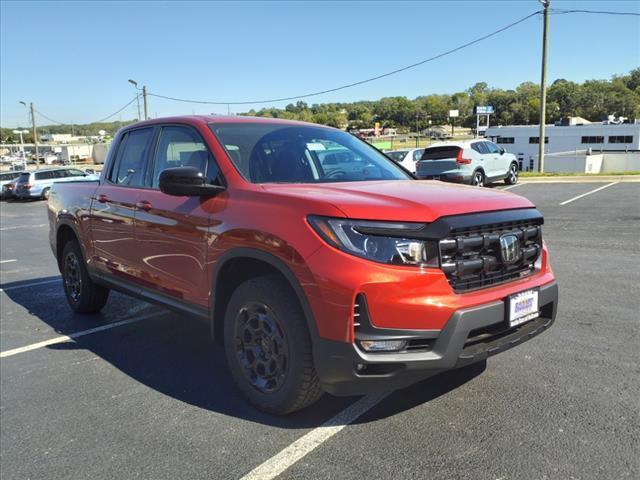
<point>471,257</point>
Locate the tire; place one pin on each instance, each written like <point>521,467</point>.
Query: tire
<point>268,348</point>
<point>45,193</point>
<point>478,178</point>
<point>83,295</point>
<point>512,175</point>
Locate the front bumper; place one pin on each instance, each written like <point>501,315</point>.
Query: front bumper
<point>469,336</point>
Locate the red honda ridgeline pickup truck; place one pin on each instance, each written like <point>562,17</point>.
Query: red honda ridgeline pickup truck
<point>320,264</point>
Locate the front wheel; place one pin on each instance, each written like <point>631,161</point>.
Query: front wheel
<point>478,179</point>
<point>268,348</point>
<point>83,295</point>
<point>512,176</point>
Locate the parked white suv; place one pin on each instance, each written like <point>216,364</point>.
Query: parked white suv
<point>407,157</point>
<point>475,162</point>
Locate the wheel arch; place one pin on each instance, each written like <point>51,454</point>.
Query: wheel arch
<point>65,233</point>
<point>240,264</point>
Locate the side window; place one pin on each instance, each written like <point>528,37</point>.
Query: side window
<point>45,175</point>
<point>60,174</point>
<point>492,147</point>
<point>132,153</point>
<point>72,172</point>
<point>182,147</point>
<point>480,147</point>
<point>417,155</point>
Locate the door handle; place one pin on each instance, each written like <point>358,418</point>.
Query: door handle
<point>144,205</point>
<point>102,198</point>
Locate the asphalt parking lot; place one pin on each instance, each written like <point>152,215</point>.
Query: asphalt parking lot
<point>151,398</point>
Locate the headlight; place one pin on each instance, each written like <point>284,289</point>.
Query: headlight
<point>384,242</point>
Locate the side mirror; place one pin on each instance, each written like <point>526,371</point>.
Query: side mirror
<point>187,182</point>
<point>501,151</point>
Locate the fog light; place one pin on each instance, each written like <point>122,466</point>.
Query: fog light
<point>383,345</point>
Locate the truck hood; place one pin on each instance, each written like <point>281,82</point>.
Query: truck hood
<point>402,200</point>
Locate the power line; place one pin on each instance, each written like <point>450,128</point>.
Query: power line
<point>361,82</point>
<point>49,118</point>
<point>97,121</point>
<point>117,111</point>
<point>561,11</point>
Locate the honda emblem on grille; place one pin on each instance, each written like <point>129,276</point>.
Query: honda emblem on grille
<point>509,248</point>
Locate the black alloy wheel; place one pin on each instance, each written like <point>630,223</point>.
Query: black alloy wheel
<point>261,347</point>
<point>72,276</point>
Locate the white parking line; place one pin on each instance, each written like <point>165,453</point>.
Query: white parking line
<point>72,336</point>
<point>16,227</point>
<point>512,186</point>
<point>8,261</point>
<point>312,440</point>
<point>588,193</point>
<point>27,285</point>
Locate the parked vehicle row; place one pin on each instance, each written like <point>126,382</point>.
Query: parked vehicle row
<point>37,184</point>
<point>7,183</point>
<point>474,162</point>
<point>317,262</point>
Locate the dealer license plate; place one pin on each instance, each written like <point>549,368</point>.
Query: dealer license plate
<point>523,307</point>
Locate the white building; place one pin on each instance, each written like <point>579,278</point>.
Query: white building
<point>60,138</point>
<point>523,140</point>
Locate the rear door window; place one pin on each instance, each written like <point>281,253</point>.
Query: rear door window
<point>480,147</point>
<point>44,175</point>
<point>132,155</point>
<point>492,147</point>
<point>74,172</point>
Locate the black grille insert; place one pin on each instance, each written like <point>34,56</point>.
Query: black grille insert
<point>471,257</point>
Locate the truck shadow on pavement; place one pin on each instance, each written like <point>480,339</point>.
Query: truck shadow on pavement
<point>174,355</point>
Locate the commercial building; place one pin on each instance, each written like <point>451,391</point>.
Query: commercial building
<point>577,135</point>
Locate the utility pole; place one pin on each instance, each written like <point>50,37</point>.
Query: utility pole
<point>35,134</point>
<point>417,130</point>
<point>35,131</point>
<point>543,85</point>
<point>144,98</point>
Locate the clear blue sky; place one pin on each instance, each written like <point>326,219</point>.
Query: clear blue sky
<point>73,59</point>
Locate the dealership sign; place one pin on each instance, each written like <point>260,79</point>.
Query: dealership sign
<point>484,110</point>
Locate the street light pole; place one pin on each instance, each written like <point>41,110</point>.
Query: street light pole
<point>135,84</point>
<point>21,133</point>
<point>543,85</point>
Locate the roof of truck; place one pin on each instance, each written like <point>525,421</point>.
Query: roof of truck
<point>224,119</point>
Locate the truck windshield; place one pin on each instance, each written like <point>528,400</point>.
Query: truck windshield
<point>273,153</point>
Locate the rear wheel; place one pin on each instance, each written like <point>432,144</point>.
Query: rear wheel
<point>45,193</point>
<point>83,295</point>
<point>478,179</point>
<point>268,348</point>
<point>512,176</point>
